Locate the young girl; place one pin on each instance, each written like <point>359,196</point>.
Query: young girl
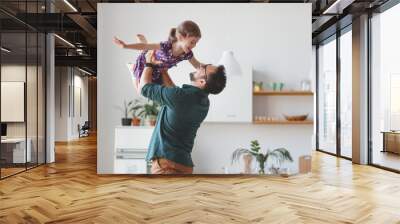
<point>169,53</point>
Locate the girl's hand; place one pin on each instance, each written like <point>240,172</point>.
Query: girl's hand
<point>196,64</point>
<point>119,42</point>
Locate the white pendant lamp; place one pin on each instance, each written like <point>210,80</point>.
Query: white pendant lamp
<point>232,67</point>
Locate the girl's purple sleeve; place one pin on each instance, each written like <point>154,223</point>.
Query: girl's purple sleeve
<point>165,46</point>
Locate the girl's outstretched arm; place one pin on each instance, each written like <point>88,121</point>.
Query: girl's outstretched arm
<point>137,46</point>
<point>196,64</point>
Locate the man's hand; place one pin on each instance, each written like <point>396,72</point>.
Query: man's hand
<point>147,73</point>
<point>150,58</point>
<point>167,81</point>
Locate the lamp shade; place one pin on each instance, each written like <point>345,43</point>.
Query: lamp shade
<point>230,63</point>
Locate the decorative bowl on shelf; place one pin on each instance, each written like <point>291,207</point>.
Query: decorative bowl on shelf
<point>302,117</point>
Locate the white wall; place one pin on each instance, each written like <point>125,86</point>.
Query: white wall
<point>275,39</point>
<point>68,81</point>
<point>215,143</point>
<point>80,84</point>
<point>61,103</point>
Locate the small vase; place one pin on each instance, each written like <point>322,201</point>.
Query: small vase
<point>247,163</point>
<point>261,164</point>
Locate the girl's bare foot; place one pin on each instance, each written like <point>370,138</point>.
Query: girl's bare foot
<point>141,39</point>
<point>136,83</point>
<point>131,68</point>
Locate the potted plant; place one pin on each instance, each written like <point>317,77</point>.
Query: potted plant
<point>150,111</point>
<point>135,108</point>
<point>125,121</point>
<point>279,155</point>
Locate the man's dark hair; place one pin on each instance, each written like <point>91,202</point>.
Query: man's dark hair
<point>216,82</point>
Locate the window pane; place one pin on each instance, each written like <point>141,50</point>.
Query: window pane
<point>386,89</point>
<point>22,90</point>
<point>327,97</point>
<point>346,93</point>
<point>14,153</point>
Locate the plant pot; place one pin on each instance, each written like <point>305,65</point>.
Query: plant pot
<point>135,121</point>
<point>151,120</point>
<point>126,121</point>
<point>274,170</point>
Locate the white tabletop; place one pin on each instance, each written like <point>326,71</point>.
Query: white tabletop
<point>135,127</point>
<point>13,140</point>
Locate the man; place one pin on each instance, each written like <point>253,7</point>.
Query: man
<point>182,112</point>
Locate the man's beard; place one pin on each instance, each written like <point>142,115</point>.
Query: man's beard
<point>191,75</point>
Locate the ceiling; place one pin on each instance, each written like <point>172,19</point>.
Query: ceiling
<point>76,22</point>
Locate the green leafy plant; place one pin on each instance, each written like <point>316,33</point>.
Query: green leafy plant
<point>279,155</point>
<point>135,107</point>
<point>149,110</point>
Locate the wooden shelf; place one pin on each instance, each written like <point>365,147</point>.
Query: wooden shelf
<point>308,122</point>
<point>283,93</point>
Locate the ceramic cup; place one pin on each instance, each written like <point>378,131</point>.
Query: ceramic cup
<point>280,86</point>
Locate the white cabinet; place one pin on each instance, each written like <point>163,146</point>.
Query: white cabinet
<point>131,143</point>
<point>19,153</point>
<point>234,103</point>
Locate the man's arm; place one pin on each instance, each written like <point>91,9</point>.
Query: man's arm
<point>169,96</point>
<point>147,74</point>
<point>146,78</point>
<point>167,81</point>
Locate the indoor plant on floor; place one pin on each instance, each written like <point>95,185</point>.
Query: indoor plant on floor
<point>149,111</point>
<point>280,155</point>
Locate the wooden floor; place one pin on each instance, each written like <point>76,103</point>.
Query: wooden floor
<point>70,191</point>
<point>10,171</point>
